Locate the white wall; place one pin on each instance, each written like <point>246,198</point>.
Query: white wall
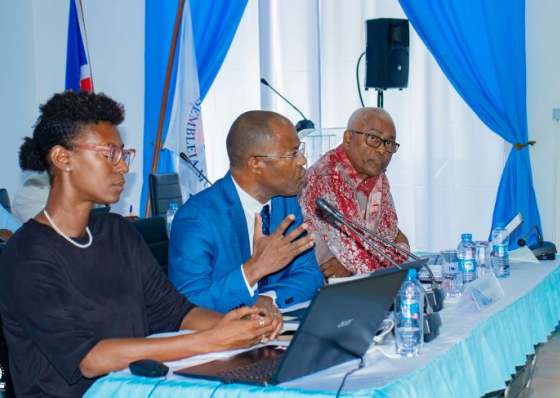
<point>543,94</point>
<point>33,65</point>
<point>17,86</point>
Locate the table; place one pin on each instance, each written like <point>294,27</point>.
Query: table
<point>475,353</point>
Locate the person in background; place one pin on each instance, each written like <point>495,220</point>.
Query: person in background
<point>79,294</point>
<point>8,224</point>
<point>243,240</point>
<point>32,196</point>
<point>352,178</point>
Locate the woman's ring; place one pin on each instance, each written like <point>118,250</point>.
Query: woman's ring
<point>261,321</point>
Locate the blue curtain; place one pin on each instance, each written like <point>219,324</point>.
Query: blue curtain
<point>480,46</point>
<point>214,26</point>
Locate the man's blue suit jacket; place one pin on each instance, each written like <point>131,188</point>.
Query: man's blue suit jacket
<point>209,243</point>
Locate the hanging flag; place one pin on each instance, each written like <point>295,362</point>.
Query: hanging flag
<point>185,133</point>
<point>78,68</point>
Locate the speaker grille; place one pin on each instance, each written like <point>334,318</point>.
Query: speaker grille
<point>397,68</point>
<point>387,60</point>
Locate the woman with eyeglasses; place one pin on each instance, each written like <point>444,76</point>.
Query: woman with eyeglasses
<point>79,294</point>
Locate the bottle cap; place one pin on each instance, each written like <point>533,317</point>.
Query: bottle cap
<point>173,206</point>
<point>466,236</point>
<point>500,225</point>
<point>412,273</point>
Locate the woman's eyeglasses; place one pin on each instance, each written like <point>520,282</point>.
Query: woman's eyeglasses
<point>113,153</point>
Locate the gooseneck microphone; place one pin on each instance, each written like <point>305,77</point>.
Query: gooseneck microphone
<point>329,209</point>
<point>434,299</point>
<point>543,250</point>
<point>184,156</point>
<point>523,241</point>
<point>302,124</point>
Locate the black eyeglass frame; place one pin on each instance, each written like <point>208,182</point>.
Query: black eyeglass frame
<point>385,142</point>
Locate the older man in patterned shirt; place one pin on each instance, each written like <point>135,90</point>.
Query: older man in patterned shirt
<point>352,178</point>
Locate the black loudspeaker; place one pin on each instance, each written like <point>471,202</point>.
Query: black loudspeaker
<point>387,44</point>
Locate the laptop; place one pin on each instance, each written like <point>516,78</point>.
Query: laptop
<point>338,326</point>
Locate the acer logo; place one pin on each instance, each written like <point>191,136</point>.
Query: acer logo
<point>345,323</point>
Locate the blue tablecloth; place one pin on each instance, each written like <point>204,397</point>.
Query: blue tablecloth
<point>475,353</point>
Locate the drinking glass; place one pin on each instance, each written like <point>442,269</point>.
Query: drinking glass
<point>482,256</point>
<point>451,276</point>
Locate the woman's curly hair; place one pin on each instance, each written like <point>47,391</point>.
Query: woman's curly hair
<point>61,121</point>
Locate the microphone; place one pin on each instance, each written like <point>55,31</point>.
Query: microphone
<point>184,156</point>
<point>302,124</point>
<point>434,299</point>
<point>523,241</point>
<point>326,206</point>
<point>542,250</point>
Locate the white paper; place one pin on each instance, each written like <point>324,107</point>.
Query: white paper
<point>294,307</point>
<point>480,293</point>
<point>523,255</point>
<point>334,281</point>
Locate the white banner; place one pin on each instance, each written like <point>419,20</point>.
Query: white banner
<point>185,132</point>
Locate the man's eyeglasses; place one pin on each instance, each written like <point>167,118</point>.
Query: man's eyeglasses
<point>374,142</point>
<point>113,153</point>
<point>300,152</point>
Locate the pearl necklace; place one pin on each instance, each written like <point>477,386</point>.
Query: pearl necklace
<point>58,231</point>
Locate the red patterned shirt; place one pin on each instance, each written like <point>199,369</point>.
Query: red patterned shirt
<point>367,202</point>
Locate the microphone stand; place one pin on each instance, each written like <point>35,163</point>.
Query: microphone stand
<point>542,250</point>
<point>302,124</point>
<point>388,242</point>
<point>437,297</point>
<point>434,299</point>
<point>184,156</point>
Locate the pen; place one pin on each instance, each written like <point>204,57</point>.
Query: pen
<point>130,211</point>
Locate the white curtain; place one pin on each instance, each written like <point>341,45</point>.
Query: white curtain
<point>445,176</point>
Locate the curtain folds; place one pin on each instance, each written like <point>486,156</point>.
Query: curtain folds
<point>212,37</point>
<point>214,25</point>
<point>480,46</point>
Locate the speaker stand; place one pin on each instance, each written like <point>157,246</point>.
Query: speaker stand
<point>379,98</point>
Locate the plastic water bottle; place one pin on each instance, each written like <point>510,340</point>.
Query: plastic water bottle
<point>170,215</point>
<point>500,256</point>
<point>466,253</point>
<point>409,317</point>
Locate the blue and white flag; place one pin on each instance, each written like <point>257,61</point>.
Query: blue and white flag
<point>185,132</point>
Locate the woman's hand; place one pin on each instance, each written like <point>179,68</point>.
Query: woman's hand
<point>240,328</point>
<point>270,311</point>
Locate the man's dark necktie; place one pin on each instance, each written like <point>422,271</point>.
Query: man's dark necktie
<point>265,215</point>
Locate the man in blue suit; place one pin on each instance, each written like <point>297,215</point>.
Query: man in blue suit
<point>221,254</point>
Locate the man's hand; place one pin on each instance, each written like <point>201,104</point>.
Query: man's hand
<point>273,252</point>
<point>334,269</point>
<point>401,238</point>
<point>5,235</point>
<point>270,311</point>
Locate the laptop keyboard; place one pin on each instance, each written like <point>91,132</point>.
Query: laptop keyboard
<point>255,371</point>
